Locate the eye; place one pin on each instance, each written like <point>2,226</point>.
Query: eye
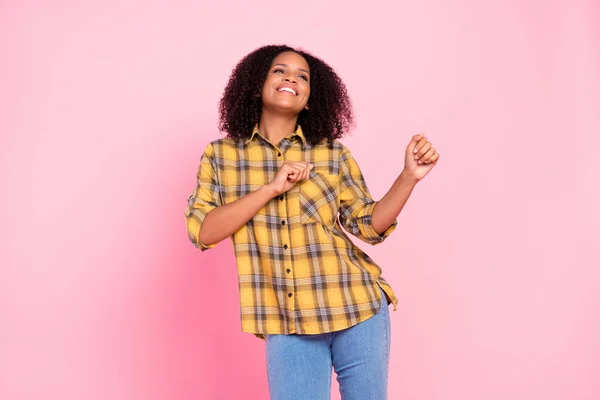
<point>278,70</point>
<point>304,77</point>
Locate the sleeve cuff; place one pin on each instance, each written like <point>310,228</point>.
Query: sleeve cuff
<point>195,218</point>
<point>370,232</point>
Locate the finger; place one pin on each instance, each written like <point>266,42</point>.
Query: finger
<point>413,142</point>
<point>302,172</point>
<point>306,173</point>
<point>420,144</point>
<point>427,155</point>
<point>286,168</point>
<point>306,168</point>
<point>434,159</point>
<point>291,166</point>
<point>423,150</point>
<point>292,171</point>
<point>298,169</point>
<point>300,164</point>
<point>309,168</point>
<point>292,175</point>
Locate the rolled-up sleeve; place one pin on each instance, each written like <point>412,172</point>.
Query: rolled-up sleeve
<point>205,197</point>
<point>356,203</point>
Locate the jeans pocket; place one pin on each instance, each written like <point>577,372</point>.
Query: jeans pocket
<point>384,304</point>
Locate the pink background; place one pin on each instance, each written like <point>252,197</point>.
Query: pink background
<point>106,106</point>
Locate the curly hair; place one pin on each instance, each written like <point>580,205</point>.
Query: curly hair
<point>330,115</point>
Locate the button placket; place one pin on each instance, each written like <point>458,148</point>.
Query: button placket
<point>285,240</point>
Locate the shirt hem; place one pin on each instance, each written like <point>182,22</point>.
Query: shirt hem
<point>262,335</point>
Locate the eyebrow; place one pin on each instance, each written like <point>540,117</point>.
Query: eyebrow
<point>287,66</point>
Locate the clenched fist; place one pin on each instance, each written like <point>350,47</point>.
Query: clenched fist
<point>420,157</point>
<point>289,175</point>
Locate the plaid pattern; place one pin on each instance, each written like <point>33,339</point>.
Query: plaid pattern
<point>298,271</point>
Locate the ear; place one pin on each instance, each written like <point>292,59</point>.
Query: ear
<point>306,107</point>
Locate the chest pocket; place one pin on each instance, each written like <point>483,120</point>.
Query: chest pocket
<point>319,198</point>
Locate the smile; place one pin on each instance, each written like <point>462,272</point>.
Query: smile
<point>287,89</point>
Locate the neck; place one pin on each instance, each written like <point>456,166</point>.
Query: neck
<point>275,127</point>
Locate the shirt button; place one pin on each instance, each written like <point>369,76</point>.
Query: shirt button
<point>282,222</point>
<point>278,154</point>
<point>289,295</point>
<point>288,270</point>
<point>281,197</point>
<point>285,246</point>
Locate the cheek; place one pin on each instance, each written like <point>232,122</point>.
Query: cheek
<point>264,88</point>
<point>307,93</point>
<point>268,83</point>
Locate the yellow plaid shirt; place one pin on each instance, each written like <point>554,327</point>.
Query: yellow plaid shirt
<point>298,271</point>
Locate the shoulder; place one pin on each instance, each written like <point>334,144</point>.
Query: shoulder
<point>328,155</point>
<point>222,147</point>
<point>333,148</point>
<point>341,151</point>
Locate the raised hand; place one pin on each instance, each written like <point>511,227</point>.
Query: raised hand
<point>420,157</point>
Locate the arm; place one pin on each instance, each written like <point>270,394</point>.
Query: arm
<point>420,158</point>
<point>227,219</point>
<point>389,207</point>
<point>205,198</point>
<point>209,221</point>
<point>357,205</point>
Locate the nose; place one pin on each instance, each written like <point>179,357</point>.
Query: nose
<point>290,79</point>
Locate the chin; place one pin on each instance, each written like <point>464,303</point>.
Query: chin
<point>286,108</point>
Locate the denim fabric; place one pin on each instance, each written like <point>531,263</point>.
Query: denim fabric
<point>299,367</point>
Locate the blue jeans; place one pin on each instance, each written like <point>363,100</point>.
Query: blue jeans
<point>299,366</point>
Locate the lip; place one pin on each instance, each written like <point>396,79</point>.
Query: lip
<point>287,87</point>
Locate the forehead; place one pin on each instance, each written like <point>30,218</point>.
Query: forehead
<point>292,59</point>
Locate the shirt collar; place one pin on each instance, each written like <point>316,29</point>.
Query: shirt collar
<point>298,133</point>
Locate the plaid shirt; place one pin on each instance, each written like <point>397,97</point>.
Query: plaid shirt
<point>298,271</point>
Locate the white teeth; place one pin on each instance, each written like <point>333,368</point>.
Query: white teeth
<point>287,89</point>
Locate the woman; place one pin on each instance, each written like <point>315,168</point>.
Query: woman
<point>282,187</point>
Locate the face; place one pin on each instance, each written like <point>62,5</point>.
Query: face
<point>287,86</point>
